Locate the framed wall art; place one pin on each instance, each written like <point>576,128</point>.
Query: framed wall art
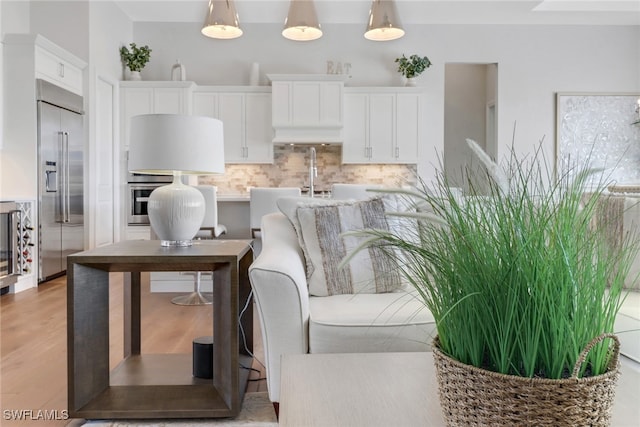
<point>601,131</point>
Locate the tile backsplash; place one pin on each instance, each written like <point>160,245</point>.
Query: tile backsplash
<point>291,169</point>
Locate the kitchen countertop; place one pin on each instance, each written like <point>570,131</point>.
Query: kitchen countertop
<point>233,197</point>
<point>244,197</point>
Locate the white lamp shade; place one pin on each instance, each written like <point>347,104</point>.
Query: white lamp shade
<point>222,20</point>
<point>302,23</point>
<point>384,23</point>
<point>161,144</point>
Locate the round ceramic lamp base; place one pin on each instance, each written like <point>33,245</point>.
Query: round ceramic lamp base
<point>176,212</point>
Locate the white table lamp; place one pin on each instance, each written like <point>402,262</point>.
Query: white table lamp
<point>174,144</point>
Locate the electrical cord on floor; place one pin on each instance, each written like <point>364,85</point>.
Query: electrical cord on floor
<point>254,370</point>
<point>244,338</point>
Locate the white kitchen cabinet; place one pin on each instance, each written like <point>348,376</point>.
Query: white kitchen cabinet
<point>355,148</point>
<point>245,113</point>
<point>55,69</point>
<point>382,125</point>
<point>152,97</point>
<point>408,127</point>
<point>307,108</point>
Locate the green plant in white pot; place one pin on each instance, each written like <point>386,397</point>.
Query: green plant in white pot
<point>135,59</point>
<point>412,67</point>
<point>524,290</point>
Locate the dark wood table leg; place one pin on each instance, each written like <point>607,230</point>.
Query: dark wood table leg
<point>132,313</point>
<point>87,334</point>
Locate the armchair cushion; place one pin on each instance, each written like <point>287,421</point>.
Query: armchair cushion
<point>363,323</point>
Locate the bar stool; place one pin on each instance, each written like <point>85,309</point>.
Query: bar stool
<point>210,229</point>
<point>354,191</point>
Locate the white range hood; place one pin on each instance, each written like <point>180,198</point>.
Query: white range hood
<point>307,108</point>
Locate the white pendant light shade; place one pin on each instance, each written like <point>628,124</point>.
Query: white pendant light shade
<point>384,23</point>
<point>222,20</point>
<point>302,21</point>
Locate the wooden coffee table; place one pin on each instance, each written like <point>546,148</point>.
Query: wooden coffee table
<point>155,385</point>
<point>390,389</point>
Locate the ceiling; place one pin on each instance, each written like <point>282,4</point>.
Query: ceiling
<point>590,12</point>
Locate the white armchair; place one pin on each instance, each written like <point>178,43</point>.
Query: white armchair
<point>293,321</point>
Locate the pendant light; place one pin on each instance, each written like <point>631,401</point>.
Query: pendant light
<point>222,20</point>
<point>384,23</point>
<point>302,21</point>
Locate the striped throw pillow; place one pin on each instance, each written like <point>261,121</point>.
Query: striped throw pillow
<point>370,271</point>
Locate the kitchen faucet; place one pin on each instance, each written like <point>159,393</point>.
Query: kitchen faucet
<point>313,170</point>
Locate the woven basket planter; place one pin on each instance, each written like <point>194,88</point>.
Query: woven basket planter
<point>471,396</point>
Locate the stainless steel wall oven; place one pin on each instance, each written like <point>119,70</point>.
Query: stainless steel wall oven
<point>138,200</point>
<point>10,244</point>
<point>140,188</point>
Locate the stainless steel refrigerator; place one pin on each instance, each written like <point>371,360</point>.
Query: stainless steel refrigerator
<point>60,178</point>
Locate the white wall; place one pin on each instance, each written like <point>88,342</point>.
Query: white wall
<point>464,116</point>
<point>15,16</point>
<point>65,23</point>
<point>534,63</point>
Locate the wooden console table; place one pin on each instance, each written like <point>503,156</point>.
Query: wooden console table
<point>155,385</point>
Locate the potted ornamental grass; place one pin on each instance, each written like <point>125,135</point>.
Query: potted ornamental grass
<point>524,282</point>
<point>135,59</point>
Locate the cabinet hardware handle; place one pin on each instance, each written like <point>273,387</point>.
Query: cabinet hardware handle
<point>61,70</point>
<point>397,152</point>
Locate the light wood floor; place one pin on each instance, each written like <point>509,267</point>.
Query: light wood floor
<point>33,365</point>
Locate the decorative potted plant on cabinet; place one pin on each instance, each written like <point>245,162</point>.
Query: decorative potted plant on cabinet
<point>524,290</point>
<point>412,67</point>
<point>135,59</point>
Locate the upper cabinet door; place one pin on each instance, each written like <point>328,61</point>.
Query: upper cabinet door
<point>245,113</point>
<point>231,112</point>
<point>355,148</point>
<point>169,101</point>
<point>134,101</point>
<point>306,109</point>
<point>408,127</point>
<point>150,98</point>
<point>258,129</point>
<point>205,104</point>
<point>382,125</point>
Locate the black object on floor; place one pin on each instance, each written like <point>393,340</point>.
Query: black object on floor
<point>203,357</point>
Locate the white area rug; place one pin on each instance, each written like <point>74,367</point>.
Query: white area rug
<point>256,411</point>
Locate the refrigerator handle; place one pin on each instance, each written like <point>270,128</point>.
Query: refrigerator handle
<point>62,194</point>
<point>67,197</point>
